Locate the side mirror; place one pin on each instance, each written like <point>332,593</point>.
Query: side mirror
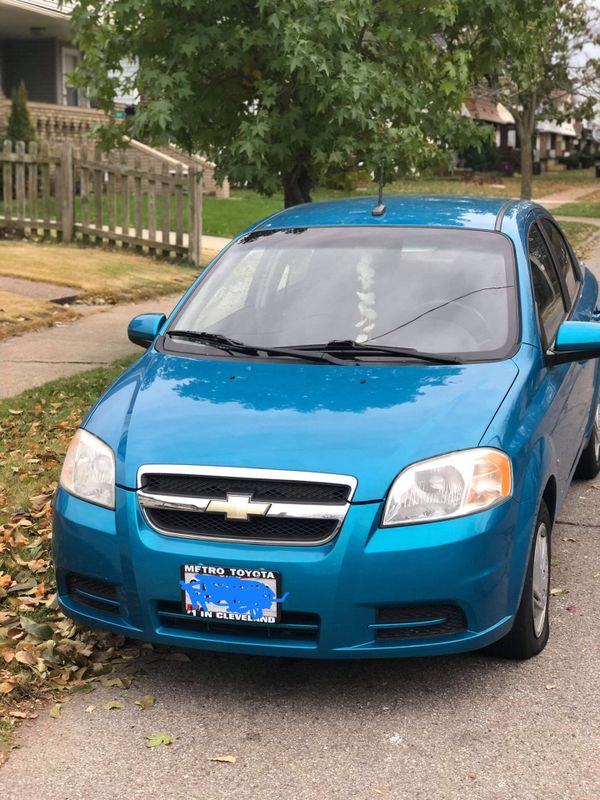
<point>143,330</point>
<point>576,341</point>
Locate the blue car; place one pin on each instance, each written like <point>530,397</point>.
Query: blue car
<point>350,439</point>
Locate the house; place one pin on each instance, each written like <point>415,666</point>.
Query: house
<point>554,140</point>
<point>488,112</point>
<point>491,113</point>
<point>36,48</point>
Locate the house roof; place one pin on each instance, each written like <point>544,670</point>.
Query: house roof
<point>488,111</point>
<point>548,126</point>
<point>48,6</point>
<point>19,17</point>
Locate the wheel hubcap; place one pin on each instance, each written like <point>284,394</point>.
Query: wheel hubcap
<point>597,434</point>
<point>540,580</point>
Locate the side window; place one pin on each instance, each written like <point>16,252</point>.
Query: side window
<point>562,256</point>
<point>546,285</point>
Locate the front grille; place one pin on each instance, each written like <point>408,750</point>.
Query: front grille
<point>93,593</point>
<point>271,491</point>
<point>218,526</point>
<point>259,506</point>
<point>420,622</point>
<point>293,625</point>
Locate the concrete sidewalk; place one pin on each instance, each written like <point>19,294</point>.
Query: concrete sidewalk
<point>565,196</point>
<point>96,339</point>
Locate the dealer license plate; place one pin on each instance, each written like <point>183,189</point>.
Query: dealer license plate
<point>231,594</point>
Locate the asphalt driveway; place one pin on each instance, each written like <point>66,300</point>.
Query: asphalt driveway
<point>458,727</point>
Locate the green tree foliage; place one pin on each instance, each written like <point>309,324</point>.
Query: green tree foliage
<point>277,91</point>
<point>20,127</point>
<point>540,67</point>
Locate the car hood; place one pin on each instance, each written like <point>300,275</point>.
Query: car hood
<point>365,421</point>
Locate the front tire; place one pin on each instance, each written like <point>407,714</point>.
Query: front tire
<point>531,628</point>
<point>589,460</point>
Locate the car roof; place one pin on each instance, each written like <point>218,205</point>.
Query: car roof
<point>448,211</point>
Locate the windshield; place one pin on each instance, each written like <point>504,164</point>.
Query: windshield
<point>439,291</point>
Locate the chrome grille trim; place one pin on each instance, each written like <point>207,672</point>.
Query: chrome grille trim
<point>282,510</point>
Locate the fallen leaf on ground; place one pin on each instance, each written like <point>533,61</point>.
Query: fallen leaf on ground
<point>22,714</point>
<point>55,711</point>
<point>177,657</point>
<point>145,702</point>
<point>596,575</point>
<point>550,686</point>
<point>224,759</point>
<point>572,609</point>
<point>83,688</point>
<point>105,681</point>
<point>156,739</point>
<point>36,629</point>
<point>559,590</point>
<point>113,704</point>
<point>89,709</point>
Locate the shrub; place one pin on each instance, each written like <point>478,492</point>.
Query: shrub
<point>346,180</point>
<point>20,126</point>
<point>485,158</point>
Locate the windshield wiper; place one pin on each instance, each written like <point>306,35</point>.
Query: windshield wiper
<point>367,348</point>
<point>205,337</point>
<point>231,346</point>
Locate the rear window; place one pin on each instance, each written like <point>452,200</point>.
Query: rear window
<point>441,291</point>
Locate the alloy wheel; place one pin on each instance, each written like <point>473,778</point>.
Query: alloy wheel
<point>541,565</point>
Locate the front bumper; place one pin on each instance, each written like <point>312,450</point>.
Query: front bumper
<point>475,563</point>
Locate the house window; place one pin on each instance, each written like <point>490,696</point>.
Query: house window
<point>70,60</point>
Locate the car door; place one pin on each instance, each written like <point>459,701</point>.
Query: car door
<point>556,297</point>
<point>582,372</point>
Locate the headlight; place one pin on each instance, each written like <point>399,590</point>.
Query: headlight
<point>89,470</point>
<point>449,486</point>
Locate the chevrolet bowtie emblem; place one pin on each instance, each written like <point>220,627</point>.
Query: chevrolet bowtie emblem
<point>238,506</point>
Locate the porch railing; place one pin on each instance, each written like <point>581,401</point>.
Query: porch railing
<point>101,199</point>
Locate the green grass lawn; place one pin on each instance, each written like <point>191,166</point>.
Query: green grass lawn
<point>112,274</point>
<point>580,235</point>
<point>230,217</point>
<point>581,208</point>
<point>19,314</point>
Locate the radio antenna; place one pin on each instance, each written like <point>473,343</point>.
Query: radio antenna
<point>379,209</point>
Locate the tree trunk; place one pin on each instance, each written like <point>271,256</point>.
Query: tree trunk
<point>297,183</point>
<point>525,125</point>
<point>526,167</point>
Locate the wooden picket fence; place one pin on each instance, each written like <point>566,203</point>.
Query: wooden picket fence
<point>99,198</point>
